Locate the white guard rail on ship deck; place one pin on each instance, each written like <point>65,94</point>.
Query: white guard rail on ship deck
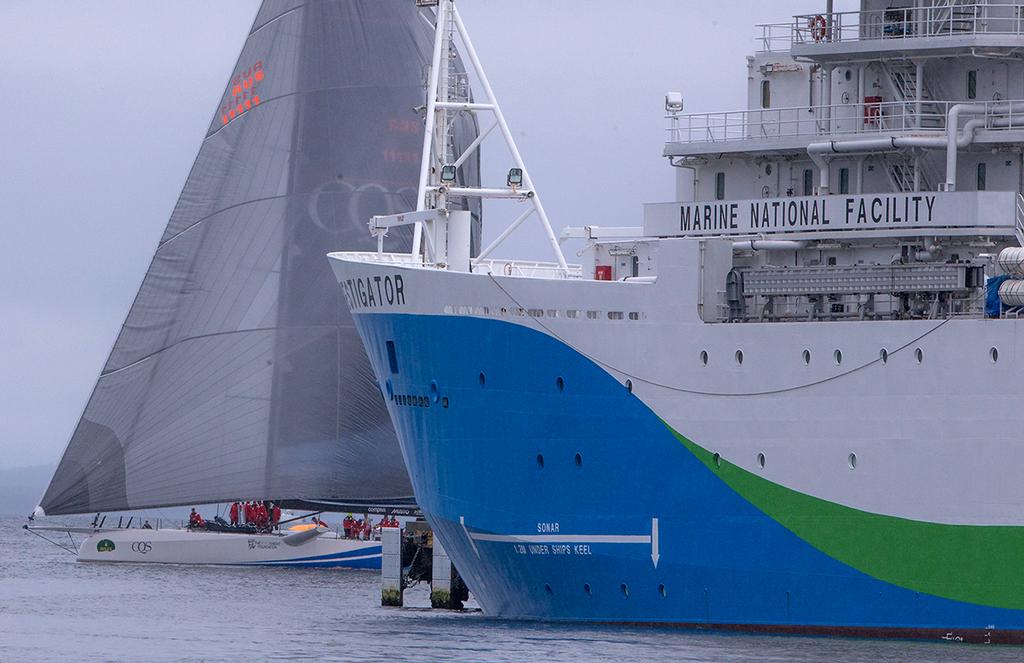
<point>835,120</point>
<point>940,20</point>
<point>525,268</point>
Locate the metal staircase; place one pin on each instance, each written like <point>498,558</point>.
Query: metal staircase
<point>952,17</point>
<point>902,80</point>
<point>910,172</point>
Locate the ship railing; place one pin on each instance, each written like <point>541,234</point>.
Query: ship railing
<point>938,19</point>
<point>526,268</point>
<point>881,118</point>
<point>529,269</point>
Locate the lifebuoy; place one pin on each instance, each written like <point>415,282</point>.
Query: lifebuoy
<point>819,27</point>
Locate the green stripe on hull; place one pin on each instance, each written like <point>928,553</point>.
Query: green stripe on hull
<point>980,564</point>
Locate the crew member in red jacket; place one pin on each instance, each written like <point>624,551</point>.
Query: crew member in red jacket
<point>275,515</point>
<point>234,513</point>
<point>195,520</point>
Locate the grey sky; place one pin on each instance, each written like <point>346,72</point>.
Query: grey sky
<point>105,105</point>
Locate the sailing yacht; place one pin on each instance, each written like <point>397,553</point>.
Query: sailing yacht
<point>238,373</point>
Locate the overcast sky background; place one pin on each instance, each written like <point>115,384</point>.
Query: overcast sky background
<point>105,105</point>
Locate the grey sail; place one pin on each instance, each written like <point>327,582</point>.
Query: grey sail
<point>237,373</point>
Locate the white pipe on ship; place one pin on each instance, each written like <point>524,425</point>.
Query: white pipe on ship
<point>768,245</point>
<point>953,142</point>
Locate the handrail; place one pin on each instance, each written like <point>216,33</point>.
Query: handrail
<point>939,20</point>
<point>883,118</point>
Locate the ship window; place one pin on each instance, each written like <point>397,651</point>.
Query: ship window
<point>629,386</point>
<point>444,401</point>
<point>579,460</point>
<point>739,357</point>
<point>993,354</point>
<point>851,460</point>
<point>540,461</point>
<point>547,588</point>
<point>586,589</point>
<point>434,395</point>
<point>972,84</point>
<point>560,383</point>
<point>392,357</point>
<point>766,94</point>
<point>919,355</point>
<point>883,354</point>
<point>625,590</point>
<point>719,186</point>
<point>838,356</point>
<point>483,379</point>
<point>981,176</point>
<point>807,357</point>
<point>717,459</point>
<point>760,460</point>
<point>808,182</point>
<point>661,590</point>
<point>704,357</point>
<point>844,180</point>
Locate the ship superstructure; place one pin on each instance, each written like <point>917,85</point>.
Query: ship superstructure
<point>788,401</point>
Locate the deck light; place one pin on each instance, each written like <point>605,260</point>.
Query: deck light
<point>447,174</point>
<point>515,177</point>
<point>674,102</point>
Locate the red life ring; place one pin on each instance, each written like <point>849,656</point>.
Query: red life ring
<point>819,27</point>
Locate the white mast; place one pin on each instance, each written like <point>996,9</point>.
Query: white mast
<point>447,95</point>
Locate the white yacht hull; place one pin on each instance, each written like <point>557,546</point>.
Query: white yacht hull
<point>180,546</point>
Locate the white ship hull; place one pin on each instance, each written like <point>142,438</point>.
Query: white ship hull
<point>179,546</point>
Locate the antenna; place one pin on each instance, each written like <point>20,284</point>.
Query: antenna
<point>447,95</point>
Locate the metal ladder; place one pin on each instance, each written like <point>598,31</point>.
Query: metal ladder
<point>902,79</point>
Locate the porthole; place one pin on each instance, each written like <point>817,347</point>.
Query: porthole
<point>444,401</point>
<point>625,589</point>
<point>717,459</point>
<point>560,383</point>
<point>883,354</point>
<point>629,386</point>
<point>434,391</point>
<point>919,355</point>
<point>851,460</point>
<point>993,354</point>
<point>838,357</point>
<point>807,357</point>
<point>739,357</point>
<point>760,460</point>
<point>704,357</point>
<point>586,589</point>
<point>540,461</point>
<point>390,388</point>
<point>661,590</point>
<point>579,460</point>
<point>483,379</point>
<point>547,588</point>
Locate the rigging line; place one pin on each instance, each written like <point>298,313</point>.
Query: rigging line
<point>698,392</point>
<point>210,335</point>
<point>62,546</point>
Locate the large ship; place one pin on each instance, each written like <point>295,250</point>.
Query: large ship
<point>788,402</point>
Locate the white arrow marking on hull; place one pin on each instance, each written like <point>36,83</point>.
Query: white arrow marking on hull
<point>654,542</point>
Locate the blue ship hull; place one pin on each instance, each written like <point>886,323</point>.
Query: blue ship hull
<point>549,482</point>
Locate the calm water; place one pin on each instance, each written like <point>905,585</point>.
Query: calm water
<point>53,608</point>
